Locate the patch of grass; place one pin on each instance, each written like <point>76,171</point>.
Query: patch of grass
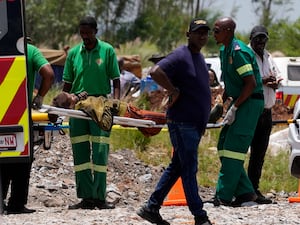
<point>155,150</point>
<point>275,174</point>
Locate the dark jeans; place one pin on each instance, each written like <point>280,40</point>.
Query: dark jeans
<point>259,147</point>
<point>16,175</point>
<point>185,139</point>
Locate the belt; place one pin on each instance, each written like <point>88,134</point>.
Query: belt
<point>257,96</point>
<point>267,110</point>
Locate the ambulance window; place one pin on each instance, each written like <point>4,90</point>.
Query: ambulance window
<point>294,73</point>
<point>11,27</point>
<point>3,19</point>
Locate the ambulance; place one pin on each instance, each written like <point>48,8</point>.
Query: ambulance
<point>15,112</point>
<point>289,89</point>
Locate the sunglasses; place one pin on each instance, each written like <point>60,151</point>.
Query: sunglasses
<point>201,32</point>
<point>259,39</point>
<point>217,30</point>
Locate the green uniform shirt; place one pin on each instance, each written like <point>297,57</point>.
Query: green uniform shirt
<point>91,71</point>
<point>238,61</point>
<point>35,61</point>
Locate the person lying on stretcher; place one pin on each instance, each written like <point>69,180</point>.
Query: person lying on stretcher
<point>102,110</point>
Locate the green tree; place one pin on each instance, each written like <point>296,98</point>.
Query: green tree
<point>164,22</point>
<point>52,22</point>
<point>285,37</point>
<point>111,16</point>
<point>263,9</point>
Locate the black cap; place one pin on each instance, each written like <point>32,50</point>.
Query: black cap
<point>198,23</point>
<point>90,21</point>
<point>259,30</point>
<point>155,58</point>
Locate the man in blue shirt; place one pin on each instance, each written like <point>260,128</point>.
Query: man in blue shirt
<point>184,74</point>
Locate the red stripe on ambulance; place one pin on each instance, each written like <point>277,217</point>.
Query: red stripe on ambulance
<point>17,107</point>
<point>5,64</point>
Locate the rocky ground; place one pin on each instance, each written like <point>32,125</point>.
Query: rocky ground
<point>130,181</point>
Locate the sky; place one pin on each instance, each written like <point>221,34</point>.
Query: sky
<point>246,18</point>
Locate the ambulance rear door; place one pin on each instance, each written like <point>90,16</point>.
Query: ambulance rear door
<point>15,122</point>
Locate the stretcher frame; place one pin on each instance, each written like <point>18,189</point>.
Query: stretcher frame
<point>123,121</point>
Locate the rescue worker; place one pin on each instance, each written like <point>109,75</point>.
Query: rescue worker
<point>90,66</point>
<point>243,84</point>
<point>18,175</point>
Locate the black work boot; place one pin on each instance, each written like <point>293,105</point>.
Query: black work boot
<point>262,199</point>
<point>84,204</point>
<point>247,199</point>
<point>202,220</point>
<point>102,204</point>
<point>151,215</point>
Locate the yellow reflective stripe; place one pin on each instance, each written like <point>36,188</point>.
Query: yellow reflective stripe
<point>100,169</point>
<point>244,69</point>
<point>25,124</point>
<point>100,139</point>
<point>80,139</point>
<point>81,167</point>
<point>232,155</point>
<point>11,83</point>
<point>84,138</point>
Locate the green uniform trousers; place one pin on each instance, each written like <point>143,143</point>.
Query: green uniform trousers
<point>233,145</point>
<point>90,147</point>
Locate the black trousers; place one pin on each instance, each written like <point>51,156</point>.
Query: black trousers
<point>17,176</point>
<point>259,147</point>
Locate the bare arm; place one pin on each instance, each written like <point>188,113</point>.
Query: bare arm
<point>47,75</point>
<point>116,88</point>
<point>160,77</point>
<point>67,87</point>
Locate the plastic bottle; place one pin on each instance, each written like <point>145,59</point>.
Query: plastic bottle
<point>148,84</point>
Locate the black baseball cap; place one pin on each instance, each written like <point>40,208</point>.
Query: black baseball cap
<point>259,30</point>
<point>156,57</point>
<point>198,23</point>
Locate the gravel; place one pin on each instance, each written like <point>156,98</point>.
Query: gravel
<point>130,181</point>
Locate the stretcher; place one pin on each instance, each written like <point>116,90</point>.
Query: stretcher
<point>123,121</point>
<point>44,130</point>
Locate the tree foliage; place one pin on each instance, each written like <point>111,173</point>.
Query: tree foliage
<point>263,9</point>
<point>285,37</point>
<point>53,22</point>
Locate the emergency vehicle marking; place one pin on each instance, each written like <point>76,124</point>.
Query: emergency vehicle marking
<point>290,100</point>
<point>5,64</point>
<point>15,89</point>
<point>13,108</point>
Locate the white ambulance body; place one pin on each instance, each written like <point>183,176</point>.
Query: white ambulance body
<point>289,89</point>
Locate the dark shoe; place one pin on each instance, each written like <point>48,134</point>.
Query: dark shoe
<point>202,221</point>
<point>247,199</point>
<point>262,199</point>
<point>151,215</point>
<point>217,202</point>
<point>100,204</point>
<point>22,210</point>
<point>84,204</point>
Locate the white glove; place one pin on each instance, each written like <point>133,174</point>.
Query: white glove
<point>230,115</point>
